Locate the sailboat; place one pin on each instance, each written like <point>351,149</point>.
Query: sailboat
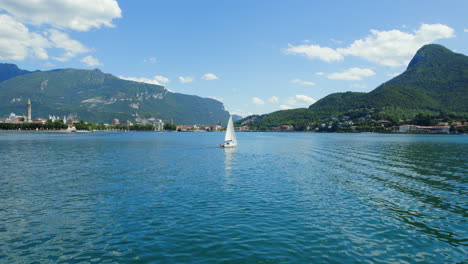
<point>230,140</point>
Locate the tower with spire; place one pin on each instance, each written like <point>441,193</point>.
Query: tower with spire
<point>29,111</point>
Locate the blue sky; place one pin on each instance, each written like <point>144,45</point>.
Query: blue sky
<point>254,56</point>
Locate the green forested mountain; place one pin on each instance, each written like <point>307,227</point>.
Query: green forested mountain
<point>8,71</point>
<point>98,97</point>
<point>436,80</point>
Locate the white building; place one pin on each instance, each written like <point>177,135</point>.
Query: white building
<point>158,125</point>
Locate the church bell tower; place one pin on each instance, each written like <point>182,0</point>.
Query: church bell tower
<point>29,111</point>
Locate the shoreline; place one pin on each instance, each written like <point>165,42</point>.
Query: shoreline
<point>254,131</point>
<point>44,131</point>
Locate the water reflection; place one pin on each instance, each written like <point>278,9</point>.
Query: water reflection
<point>229,154</point>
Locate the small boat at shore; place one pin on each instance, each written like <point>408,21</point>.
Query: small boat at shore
<point>230,140</point>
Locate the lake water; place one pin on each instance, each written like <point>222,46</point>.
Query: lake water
<point>278,198</point>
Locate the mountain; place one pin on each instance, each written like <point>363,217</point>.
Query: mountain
<point>8,71</point>
<point>98,97</point>
<point>435,80</point>
<point>236,117</point>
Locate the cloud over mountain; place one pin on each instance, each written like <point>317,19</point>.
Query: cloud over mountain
<point>158,79</point>
<point>209,77</point>
<point>91,61</point>
<point>315,52</point>
<point>186,79</point>
<point>302,82</point>
<point>257,101</point>
<point>300,100</point>
<point>352,74</point>
<point>388,48</point>
<point>273,99</point>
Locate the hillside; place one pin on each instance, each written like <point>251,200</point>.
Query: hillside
<point>436,80</point>
<point>98,97</point>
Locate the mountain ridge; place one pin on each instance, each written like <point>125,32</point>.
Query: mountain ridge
<point>436,80</point>
<point>9,70</point>
<point>100,97</point>
<point>422,80</point>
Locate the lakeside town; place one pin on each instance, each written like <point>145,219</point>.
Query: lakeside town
<point>70,123</point>
<point>421,124</point>
<point>368,124</point>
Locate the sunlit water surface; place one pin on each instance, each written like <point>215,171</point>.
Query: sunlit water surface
<point>277,198</point>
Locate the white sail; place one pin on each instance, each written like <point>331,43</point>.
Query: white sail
<point>230,135</point>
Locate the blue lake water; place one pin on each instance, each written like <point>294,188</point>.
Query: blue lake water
<point>142,197</point>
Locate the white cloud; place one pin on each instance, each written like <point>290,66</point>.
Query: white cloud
<point>394,47</point>
<point>40,53</point>
<point>320,73</point>
<point>76,15</point>
<point>300,101</point>
<point>161,79</point>
<point>209,77</point>
<point>352,74</point>
<point>285,107</point>
<point>239,112</point>
<point>157,80</point>
<point>358,86</point>
<point>140,79</point>
<point>273,100</point>
<point>302,82</point>
<point>18,43</point>
<point>394,74</point>
<point>91,61</point>
<point>186,79</point>
<point>216,98</point>
<point>48,65</point>
<point>257,101</point>
<point>389,48</point>
<point>63,41</point>
<point>151,60</point>
<point>465,30</point>
<point>315,52</point>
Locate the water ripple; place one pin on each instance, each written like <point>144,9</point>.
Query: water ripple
<point>277,198</point>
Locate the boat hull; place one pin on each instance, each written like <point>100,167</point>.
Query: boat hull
<point>227,145</point>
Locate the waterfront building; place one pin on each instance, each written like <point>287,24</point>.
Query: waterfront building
<point>14,118</point>
<point>40,120</point>
<point>424,129</point>
<point>159,125</point>
<point>216,128</point>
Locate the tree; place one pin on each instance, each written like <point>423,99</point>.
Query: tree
<point>422,119</point>
<point>170,127</point>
